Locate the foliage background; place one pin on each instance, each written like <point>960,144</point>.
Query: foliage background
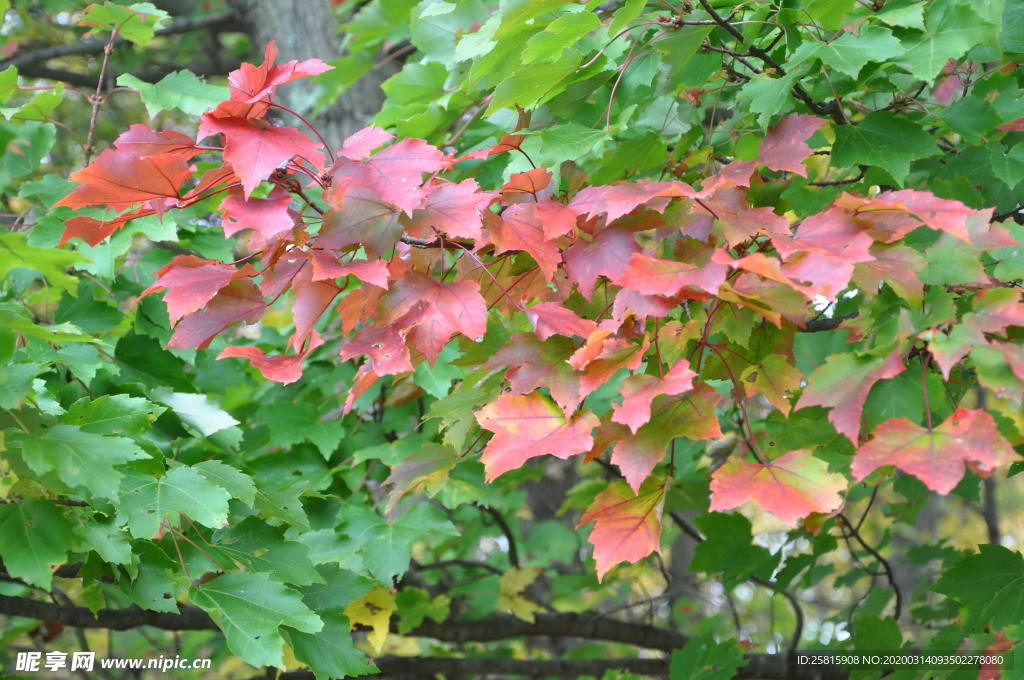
<point>919,95</point>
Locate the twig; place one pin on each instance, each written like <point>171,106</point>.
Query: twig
<point>881,560</point>
<point>96,100</point>
<point>513,553</point>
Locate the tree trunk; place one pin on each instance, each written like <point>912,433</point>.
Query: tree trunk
<point>307,29</point>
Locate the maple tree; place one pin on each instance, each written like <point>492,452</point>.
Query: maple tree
<point>739,280</point>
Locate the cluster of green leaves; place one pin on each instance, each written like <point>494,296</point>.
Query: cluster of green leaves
<point>172,461</point>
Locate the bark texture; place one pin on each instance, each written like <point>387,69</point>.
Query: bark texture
<point>307,29</point>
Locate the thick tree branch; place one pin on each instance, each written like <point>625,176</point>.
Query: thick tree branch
<point>188,618</point>
<point>492,629</point>
<point>759,666</point>
<point>224,21</point>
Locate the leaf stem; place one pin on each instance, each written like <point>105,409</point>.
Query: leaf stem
<point>740,401</point>
<point>96,100</point>
<point>309,125</point>
<point>924,391</point>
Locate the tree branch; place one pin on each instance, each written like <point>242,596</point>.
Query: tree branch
<point>187,618</point>
<point>825,324</point>
<point>832,108</point>
<point>491,629</point>
<point>225,21</point>
<point>764,666</point>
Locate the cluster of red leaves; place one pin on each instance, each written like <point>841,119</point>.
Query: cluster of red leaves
<point>391,202</point>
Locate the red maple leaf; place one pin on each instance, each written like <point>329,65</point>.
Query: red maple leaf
<point>941,214</point>
<point>268,216</point>
<point>362,144</point>
<point>385,345</point>
<point>518,228</point>
<point>1001,646</point>
<point>641,306</point>
<point>791,487</point>
<point>783,146</point>
<point>283,368</point>
<point>843,383</point>
<point>526,426</point>
<point>537,364</point>
<point>558,219</point>
<point>938,457</point>
<point>531,186</point>
<point>142,140</point>
<point>833,231</point>
<point>240,300</point>
<point>690,415</point>
<point>455,308</point>
<point>653,276</point>
<point>361,218</point>
<point>638,391</point>
<point>453,209</point>
<point>252,87</point>
<point>212,178</point>
<point>602,356</point>
<point>735,174</point>
<point>739,221</point>
<point>312,298</point>
<point>774,377</point>
<point>191,282</point>
<point>896,265</point>
<point>993,311</point>
<point>394,174</point>
<point>627,526</point>
<point>605,255</point>
<point>621,198</point>
<point>327,267</point>
<point>363,380</point>
<point>93,231</point>
<point>119,179</point>
<point>550,318</point>
<point>255,148</point>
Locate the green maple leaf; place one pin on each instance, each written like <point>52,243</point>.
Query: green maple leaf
<point>180,90</point>
<point>196,410</point>
<point>36,538</point>
<point>118,414</point>
<point>768,95</point>
<point>415,604</point>
<point>1008,165</point>
<point>249,608</point>
<point>339,588</point>
<point>971,117</point>
<point>702,658</point>
<point>951,30</point>
<point>989,586</point>
<point>145,501</point>
<point>294,423</point>
<point>330,652</point>
<point>234,481</point>
<point>50,263</point>
<point>728,550</point>
<point>528,86</point>
<point>81,459</point>
<point>136,23</point>
<point>263,548</point>
<point>390,543</point>
<point>883,140</point>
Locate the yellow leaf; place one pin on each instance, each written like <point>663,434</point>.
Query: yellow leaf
<point>373,609</point>
<point>513,582</point>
